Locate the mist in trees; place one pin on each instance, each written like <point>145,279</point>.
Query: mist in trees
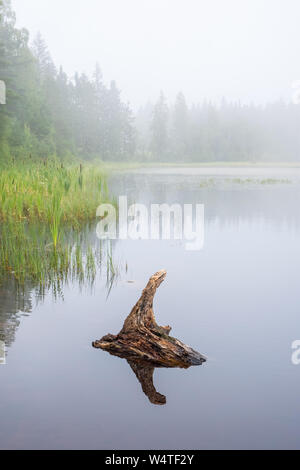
<point>207,132</point>
<point>49,113</point>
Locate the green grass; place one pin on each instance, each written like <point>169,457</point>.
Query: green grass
<point>51,193</point>
<point>44,209</point>
<point>27,254</point>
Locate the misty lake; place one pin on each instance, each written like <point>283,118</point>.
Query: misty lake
<point>237,301</point>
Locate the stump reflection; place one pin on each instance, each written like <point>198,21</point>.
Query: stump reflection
<point>147,345</point>
<point>144,374</point>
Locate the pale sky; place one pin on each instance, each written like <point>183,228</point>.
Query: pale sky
<point>247,50</point>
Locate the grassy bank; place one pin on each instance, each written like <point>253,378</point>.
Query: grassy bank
<point>51,192</point>
<point>44,207</point>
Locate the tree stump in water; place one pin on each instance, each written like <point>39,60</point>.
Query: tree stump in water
<point>141,341</point>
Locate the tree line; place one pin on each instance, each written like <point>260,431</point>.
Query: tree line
<point>48,113</point>
<point>226,132</point>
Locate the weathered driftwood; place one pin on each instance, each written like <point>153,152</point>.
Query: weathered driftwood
<point>141,341</point>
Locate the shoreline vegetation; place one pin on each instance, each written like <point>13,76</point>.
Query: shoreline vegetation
<point>46,201</point>
<point>45,207</point>
<point>50,191</point>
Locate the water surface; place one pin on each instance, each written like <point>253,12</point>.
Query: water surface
<point>236,301</point>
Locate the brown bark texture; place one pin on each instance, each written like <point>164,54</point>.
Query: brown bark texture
<point>143,342</point>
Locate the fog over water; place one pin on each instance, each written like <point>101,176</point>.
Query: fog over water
<point>236,301</point>
<point>190,109</point>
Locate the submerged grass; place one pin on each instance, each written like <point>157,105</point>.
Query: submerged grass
<point>27,254</point>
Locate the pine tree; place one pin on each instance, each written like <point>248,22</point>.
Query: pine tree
<point>159,128</point>
<point>180,128</point>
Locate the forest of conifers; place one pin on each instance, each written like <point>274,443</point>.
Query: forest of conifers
<point>50,114</point>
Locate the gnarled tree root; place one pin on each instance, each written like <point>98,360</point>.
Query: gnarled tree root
<point>142,341</point>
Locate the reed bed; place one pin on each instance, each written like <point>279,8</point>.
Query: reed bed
<point>27,254</point>
<point>51,192</point>
<point>44,208</point>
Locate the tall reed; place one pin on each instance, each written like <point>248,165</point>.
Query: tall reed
<point>32,190</point>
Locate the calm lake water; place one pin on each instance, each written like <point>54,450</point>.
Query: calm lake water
<point>237,301</point>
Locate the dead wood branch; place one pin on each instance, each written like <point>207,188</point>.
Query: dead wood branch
<point>142,340</point>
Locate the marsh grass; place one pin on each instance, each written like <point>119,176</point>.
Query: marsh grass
<point>27,254</point>
<point>44,208</point>
<point>51,193</point>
